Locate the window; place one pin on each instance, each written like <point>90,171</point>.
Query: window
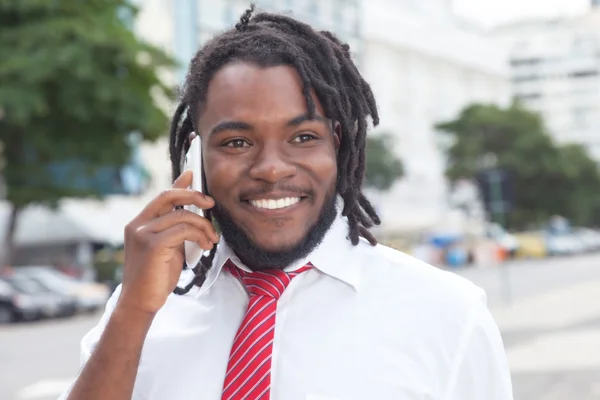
<point>580,117</point>
<point>525,61</point>
<point>526,78</point>
<point>528,96</point>
<point>583,74</point>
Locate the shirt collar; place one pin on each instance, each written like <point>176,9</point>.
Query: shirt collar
<point>332,256</point>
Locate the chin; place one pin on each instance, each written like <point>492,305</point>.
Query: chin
<point>276,243</point>
<point>266,246</point>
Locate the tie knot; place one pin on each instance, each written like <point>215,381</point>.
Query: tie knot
<point>269,283</point>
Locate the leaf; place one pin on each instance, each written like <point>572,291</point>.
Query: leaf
<point>72,91</point>
<point>549,179</point>
<point>383,168</point>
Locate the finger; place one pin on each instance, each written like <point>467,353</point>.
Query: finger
<point>184,180</point>
<point>183,216</point>
<point>176,235</point>
<point>169,199</point>
<point>207,202</point>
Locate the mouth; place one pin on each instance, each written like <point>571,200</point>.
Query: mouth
<point>275,204</point>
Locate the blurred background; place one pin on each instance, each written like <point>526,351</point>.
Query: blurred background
<point>485,162</point>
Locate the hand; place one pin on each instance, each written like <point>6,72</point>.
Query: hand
<point>154,253</point>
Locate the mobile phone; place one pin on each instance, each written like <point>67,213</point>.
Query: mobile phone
<point>193,161</point>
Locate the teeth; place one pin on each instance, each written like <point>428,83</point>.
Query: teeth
<point>272,204</point>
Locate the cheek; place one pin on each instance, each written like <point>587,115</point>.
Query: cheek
<point>323,168</point>
<point>220,178</point>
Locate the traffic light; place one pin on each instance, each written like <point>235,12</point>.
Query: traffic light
<point>496,186</point>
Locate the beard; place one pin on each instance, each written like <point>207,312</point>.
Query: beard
<point>262,259</point>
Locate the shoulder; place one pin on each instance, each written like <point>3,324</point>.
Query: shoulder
<point>404,278</point>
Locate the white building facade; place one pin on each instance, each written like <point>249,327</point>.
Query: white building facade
<point>555,70</point>
<point>425,66</point>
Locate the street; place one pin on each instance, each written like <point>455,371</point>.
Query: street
<point>550,321</point>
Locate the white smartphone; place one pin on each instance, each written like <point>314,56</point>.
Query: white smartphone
<point>193,161</point>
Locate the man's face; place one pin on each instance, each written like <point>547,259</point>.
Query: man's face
<point>271,170</point>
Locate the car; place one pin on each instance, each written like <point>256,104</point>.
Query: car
<point>18,303</point>
<point>52,304</point>
<point>90,297</point>
<point>564,244</point>
<point>589,238</point>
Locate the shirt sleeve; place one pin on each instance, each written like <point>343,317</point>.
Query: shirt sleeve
<point>91,339</point>
<point>481,369</point>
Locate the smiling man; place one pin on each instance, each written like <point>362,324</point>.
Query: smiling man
<point>296,300</point>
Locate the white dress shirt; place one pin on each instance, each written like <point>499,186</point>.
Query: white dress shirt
<point>368,322</point>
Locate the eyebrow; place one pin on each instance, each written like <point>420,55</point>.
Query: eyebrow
<point>243,126</point>
<point>230,126</point>
<point>304,118</point>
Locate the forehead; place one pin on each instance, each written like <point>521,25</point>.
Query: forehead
<point>245,91</point>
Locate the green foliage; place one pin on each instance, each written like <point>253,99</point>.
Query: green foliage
<point>550,179</point>
<point>383,168</point>
<point>74,83</point>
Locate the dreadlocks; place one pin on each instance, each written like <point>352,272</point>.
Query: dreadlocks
<point>325,66</point>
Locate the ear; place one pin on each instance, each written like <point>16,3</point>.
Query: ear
<point>337,136</point>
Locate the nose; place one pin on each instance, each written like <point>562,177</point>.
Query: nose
<point>271,166</point>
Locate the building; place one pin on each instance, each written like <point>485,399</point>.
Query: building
<point>339,16</point>
<point>555,70</point>
<point>182,26</point>
<point>424,65</point>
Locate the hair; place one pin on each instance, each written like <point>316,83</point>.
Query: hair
<point>325,65</point>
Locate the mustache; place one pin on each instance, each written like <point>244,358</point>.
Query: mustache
<point>267,189</point>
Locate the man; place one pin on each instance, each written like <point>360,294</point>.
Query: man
<point>296,300</point>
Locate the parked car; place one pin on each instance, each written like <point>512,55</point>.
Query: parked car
<point>564,244</point>
<point>531,245</point>
<point>89,296</point>
<point>590,239</point>
<point>18,303</point>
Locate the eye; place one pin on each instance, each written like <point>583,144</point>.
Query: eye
<point>236,143</point>
<point>303,138</point>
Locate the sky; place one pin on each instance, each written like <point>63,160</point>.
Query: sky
<point>494,12</point>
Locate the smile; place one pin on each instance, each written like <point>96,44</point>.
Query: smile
<point>275,204</point>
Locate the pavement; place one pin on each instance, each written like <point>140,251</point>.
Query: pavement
<point>548,312</point>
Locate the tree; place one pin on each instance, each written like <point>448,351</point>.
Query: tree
<point>548,179</point>
<point>383,168</point>
<point>75,82</point>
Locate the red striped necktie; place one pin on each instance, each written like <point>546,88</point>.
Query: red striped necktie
<point>249,367</point>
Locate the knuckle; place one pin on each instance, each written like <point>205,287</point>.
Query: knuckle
<point>180,213</point>
<point>182,226</point>
<point>130,229</point>
<point>141,235</point>
<point>166,193</point>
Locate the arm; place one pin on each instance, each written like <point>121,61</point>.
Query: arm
<point>154,254</point>
<point>481,369</point>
